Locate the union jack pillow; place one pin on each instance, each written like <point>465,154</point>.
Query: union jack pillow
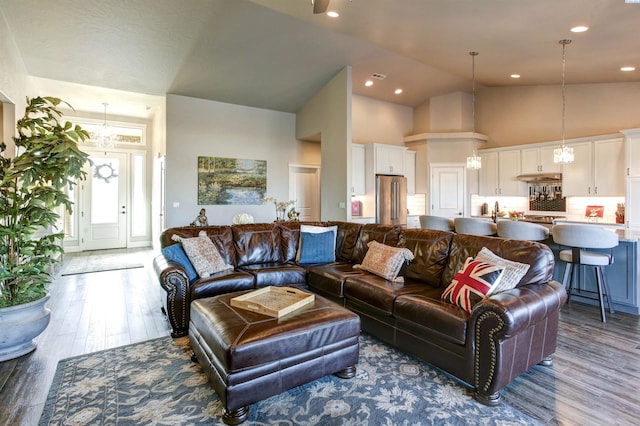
<point>472,283</point>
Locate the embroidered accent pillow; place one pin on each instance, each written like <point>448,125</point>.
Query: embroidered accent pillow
<point>472,283</point>
<point>385,261</point>
<point>175,253</point>
<point>317,247</point>
<point>203,254</point>
<point>513,271</point>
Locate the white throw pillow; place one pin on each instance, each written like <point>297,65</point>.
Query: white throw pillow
<point>513,271</point>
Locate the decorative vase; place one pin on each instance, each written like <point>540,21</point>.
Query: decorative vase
<point>19,325</point>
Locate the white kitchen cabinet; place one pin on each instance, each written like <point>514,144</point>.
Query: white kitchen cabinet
<point>538,160</point>
<point>387,159</point>
<point>577,177</point>
<point>508,170</point>
<point>498,173</point>
<point>357,170</point>
<point>488,174</point>
<point>595,170</point>
<point>410,171</point>
<point>608,175</point>
<point>632,204</point>
<point>632,142</point>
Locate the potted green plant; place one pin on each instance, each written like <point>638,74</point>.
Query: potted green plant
<point>33,187</point>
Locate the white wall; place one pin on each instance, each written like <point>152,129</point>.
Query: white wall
<point>528,114</point>
<point>158,154</point>
<point>378,121</point>
<point>197,127</point>
<point>452,112</point>
<point>328,114</point>
<point>14,85</point>
<point>422,118</point>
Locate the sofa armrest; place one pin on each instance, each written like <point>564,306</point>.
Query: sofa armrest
<point>175,281</point>
<point>523,306</point>
<point>510,332</point>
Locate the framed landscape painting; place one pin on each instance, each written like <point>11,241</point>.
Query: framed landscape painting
<point>231,181</point>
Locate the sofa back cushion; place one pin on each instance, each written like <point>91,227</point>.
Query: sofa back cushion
<point>384,234</point>
<point>346,239</point>
<point>257,243</point>
<point>220,236</point>
<point>538,256</point>
<point>430,250</point>
<point>289,240</point>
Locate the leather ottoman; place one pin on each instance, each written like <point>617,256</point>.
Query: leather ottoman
<point>249,356</point>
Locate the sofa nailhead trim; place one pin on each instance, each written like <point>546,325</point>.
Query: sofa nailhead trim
<point>172,291</point>
<point>492,345</point>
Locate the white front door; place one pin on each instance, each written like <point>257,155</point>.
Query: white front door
<point>304,187</point>
<point>103,217</point>
<point>447,190</point>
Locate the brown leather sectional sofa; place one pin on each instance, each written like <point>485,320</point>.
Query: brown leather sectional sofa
<point>505,334</point>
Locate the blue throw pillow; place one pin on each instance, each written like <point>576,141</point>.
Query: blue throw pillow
<point>176,253</point>
<point>317,247</point>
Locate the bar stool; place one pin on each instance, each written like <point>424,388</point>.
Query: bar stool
<point>469,225</point>
<point>582,238</point>
<point>517,230</point>
<point>436,222</point>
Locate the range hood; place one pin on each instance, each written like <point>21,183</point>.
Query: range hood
<point>541,177</point>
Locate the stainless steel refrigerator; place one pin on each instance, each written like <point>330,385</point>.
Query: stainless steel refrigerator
<point>391,200</point>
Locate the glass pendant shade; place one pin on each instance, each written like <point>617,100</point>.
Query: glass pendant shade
<point>474,162</point>
<point>563,155</point>
<point>105,138</point>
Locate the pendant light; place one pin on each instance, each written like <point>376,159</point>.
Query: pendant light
<point>473,162</point>
<point>564,154</point>
<point>105,138</point>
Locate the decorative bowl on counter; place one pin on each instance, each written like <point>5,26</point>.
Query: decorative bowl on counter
<point>514,215</point>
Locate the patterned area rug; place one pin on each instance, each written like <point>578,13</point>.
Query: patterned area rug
<point>100,262</point>
<point>155,383</point>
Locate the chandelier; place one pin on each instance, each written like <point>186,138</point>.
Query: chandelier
<point>474,162</point>
<point>105,138</point>
<point>563,154</point>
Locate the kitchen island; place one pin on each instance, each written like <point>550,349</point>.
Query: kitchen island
<point>622,275</point>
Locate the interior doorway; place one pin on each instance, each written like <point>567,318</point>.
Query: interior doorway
<point>304,187</point>
<point>448,189</point>
<point>103,201</point>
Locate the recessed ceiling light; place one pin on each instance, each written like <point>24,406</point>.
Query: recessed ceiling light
<point>398,91</point>
<point>515,76</point>
<point>333,14</point>
<point>368,83</point>
<point>579,29</point>
<point>628,69</point>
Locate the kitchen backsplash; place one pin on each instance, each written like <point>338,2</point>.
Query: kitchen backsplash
<point>417,204</point>
<point>576,206</point>
<point>506,204</point>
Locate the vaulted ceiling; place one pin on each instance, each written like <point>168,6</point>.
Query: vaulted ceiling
<point>276,54</point>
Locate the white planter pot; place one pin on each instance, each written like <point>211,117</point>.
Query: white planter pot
<point>19,325</point>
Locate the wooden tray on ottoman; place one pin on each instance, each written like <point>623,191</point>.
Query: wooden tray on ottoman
<point>273,301</point>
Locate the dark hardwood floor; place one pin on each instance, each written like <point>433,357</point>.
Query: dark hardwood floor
<point>89,313</point>
<point>594,379</point>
